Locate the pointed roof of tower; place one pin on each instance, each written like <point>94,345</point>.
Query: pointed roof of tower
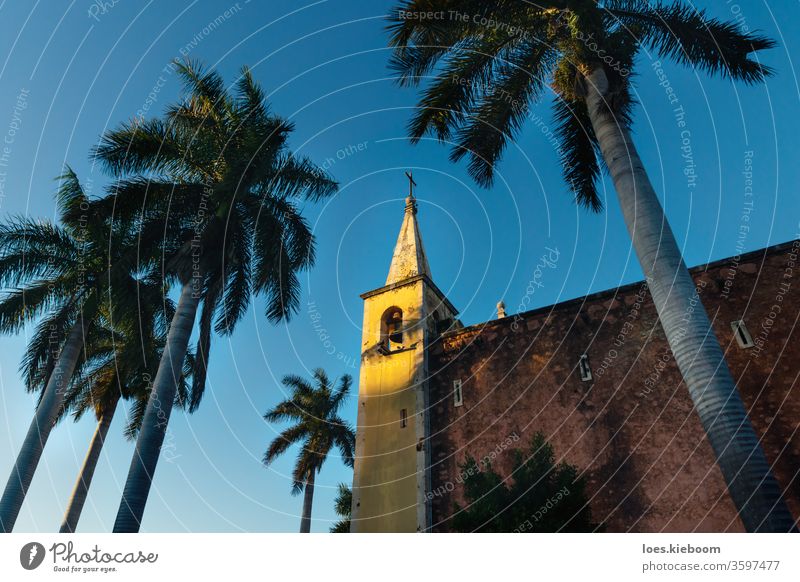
<point>409,259</point>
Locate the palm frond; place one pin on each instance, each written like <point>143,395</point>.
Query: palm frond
<point>287,438</point>
<point>201,84</point>
<point>344,438</point>
<point>683,33</point>
<point>286,410</point>
<point>18,306</point>
<point>297,177</point>
<point>251,98</point>
<point>279,223</point>
<point>323,382</point>
<point>134,200</point>
<point>503,109</point>
<point>341,394</point>
<point>211,298</point>
<point>238,282</point>
<point>578,151</point>
<point>135,418</point>
<point>303,468</point>
<point>278,282</point>
<point>73,203</point>
<point>419,43</point>
<point>34,250</point>
<point>149,146</point>
<point>298,385</point>
<point>447,102</point>
<point>45,345</point>
<point>343,504</point>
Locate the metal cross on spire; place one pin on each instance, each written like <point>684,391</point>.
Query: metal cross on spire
<point>411,184</point>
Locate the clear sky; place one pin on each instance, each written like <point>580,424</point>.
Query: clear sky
<point>71,70</point>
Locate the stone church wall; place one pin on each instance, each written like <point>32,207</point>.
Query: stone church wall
<point>631,430</point>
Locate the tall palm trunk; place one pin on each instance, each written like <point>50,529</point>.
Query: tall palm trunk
<point>156,416</point>
<point>39,431</point>
<point>308,499</point>
<point>78,498</point>
<point>695,347</point>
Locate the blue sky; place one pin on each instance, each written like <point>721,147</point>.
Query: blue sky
<point>71,70</point>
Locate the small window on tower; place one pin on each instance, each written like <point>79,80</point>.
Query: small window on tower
<point>403,418</point>
<point>585,369</point>
<point>743,337</point>
<point>458,397</point>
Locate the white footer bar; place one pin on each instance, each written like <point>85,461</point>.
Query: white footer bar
<point>390,557</point>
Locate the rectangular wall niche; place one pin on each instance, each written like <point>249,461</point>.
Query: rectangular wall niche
<point>743,337</point>
<point>458,396</point>
<point>585,369</point>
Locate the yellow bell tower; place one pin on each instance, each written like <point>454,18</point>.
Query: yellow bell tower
<point>392,466</point>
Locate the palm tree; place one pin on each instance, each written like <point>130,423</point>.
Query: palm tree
<point>120,361</point>
<point>314,412</point>
<point>65,275</point>
<point>214,186</point>
<point>496,58</point>
<point>343,506</point>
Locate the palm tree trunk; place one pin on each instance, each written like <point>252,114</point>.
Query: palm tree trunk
<point>75,507</point>
<point>156,416</point>
<point>308,499</point>
<point>41,425</point>
<point>696,349</point>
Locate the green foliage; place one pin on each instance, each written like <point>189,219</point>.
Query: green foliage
<point>539,496</point>
<point>343,506</point>
<point>85,269</point>
<point>316,425</point>
<point>120,359</point>
<point>485,63</point>
<point>214,187</point>
<point>683,33</point>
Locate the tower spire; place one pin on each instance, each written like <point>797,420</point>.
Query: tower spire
<point>392,465</point>
<point>409,259</point>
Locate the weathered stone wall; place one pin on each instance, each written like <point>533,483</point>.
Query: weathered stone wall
<point>632,430</point>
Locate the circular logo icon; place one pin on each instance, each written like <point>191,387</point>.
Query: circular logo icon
<point>31,555</point>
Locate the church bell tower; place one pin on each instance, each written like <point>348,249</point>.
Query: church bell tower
<point>392,466</point>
